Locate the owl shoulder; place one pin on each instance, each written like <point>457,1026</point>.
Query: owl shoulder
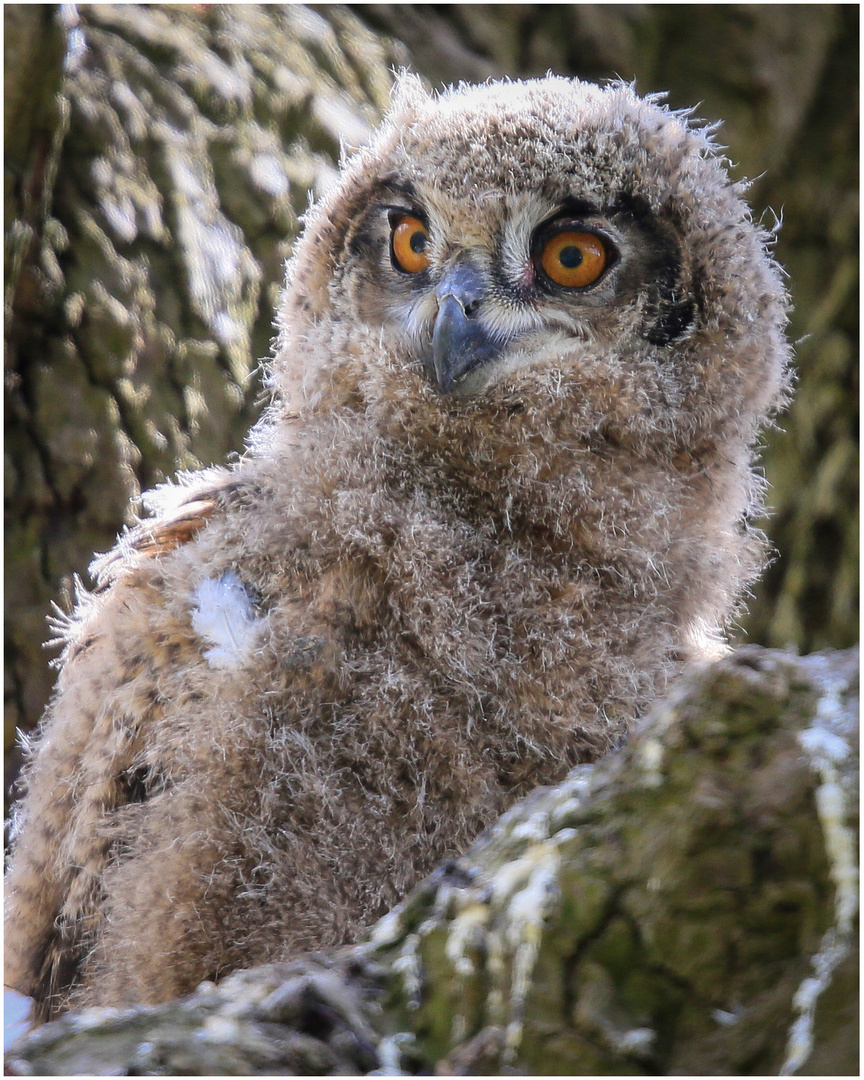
<point>177,513</point>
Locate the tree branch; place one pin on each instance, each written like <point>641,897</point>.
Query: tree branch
<point>685,905</point>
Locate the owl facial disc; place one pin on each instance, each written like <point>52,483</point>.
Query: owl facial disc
<point>460,342</point>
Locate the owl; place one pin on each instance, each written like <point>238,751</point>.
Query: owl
<point>503,491</point>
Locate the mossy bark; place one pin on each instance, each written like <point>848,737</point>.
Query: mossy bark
<point>687,905</point>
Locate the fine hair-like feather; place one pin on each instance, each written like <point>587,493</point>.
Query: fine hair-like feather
<point>308,677</point>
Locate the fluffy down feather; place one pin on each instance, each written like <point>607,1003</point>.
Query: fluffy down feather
<point>307,678</point>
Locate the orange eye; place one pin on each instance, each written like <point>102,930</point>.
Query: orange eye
<point>573,259</point>
<point>408,244</point>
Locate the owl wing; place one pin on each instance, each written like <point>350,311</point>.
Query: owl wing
<point>172,527</point>
<point>83,765</point>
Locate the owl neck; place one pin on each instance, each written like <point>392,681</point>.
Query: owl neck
<point>410,486</point>
<point>517,476</point>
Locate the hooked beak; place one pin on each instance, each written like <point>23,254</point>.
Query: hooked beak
<point>459,342</point>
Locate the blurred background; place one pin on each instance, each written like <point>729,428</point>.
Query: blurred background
<point>158,159</point>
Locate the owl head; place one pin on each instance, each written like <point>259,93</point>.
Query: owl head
<point>572,256</point>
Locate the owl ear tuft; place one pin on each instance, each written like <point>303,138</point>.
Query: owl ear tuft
<point>408,95</point>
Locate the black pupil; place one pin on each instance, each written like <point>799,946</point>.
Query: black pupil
<point>417,242</point>
<point>570,256</point>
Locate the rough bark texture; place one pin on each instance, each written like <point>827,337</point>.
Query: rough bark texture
<point>144,249</point>
<point>687,905</point>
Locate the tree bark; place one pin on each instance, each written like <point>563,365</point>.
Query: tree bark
<point>685,905</point>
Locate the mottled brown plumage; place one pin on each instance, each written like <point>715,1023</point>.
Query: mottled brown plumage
<point>484,521</point>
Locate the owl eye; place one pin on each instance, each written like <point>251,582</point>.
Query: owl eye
<point>408,242</point>
<point>572,258</point>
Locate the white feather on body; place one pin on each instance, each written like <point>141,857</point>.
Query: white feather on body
<point>224,616</point>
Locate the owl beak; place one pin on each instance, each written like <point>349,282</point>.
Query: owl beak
<point>459,342</point>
